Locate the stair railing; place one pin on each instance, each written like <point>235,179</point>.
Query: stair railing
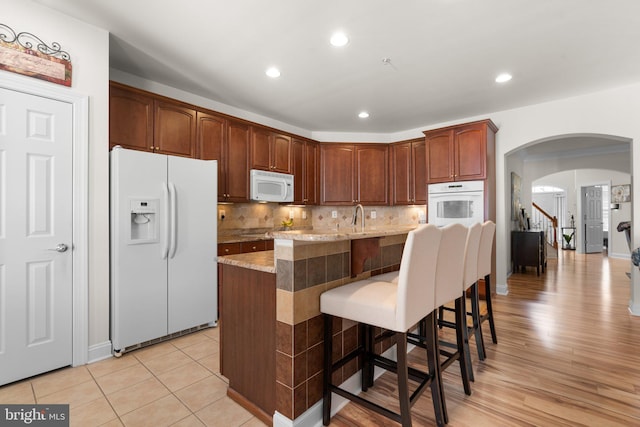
<point>548,223</point>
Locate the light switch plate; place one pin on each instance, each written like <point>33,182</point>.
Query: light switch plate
<point>373,215</point>
<point>334,214</point>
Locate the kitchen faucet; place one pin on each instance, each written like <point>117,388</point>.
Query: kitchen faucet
<point>355,216</point>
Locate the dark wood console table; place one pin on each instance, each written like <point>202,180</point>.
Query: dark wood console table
<point>528,249</point>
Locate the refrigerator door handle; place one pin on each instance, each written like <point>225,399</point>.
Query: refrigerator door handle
<point>165,242</point>
<point>172,241</point>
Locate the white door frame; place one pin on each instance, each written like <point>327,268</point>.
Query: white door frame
<point>80,253</point>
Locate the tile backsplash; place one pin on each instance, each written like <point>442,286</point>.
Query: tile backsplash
<point>268,216</point>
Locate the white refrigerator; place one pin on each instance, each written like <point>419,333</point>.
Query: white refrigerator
<point>163,245</point>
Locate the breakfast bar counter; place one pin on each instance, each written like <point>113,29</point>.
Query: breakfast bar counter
<point>271,325</point>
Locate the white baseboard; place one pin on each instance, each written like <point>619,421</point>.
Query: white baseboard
<point>502,289</point>
<point>99,352</point>
<point>312,417</point>
<point>619,255</point>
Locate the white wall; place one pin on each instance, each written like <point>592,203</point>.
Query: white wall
<point>88,47</point>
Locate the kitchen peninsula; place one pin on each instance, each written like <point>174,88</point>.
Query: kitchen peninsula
<point>271,325</point>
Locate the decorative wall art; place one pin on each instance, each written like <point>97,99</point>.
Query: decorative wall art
<point>516,191</point>
<point>620,193</point>
<point>26,54</point>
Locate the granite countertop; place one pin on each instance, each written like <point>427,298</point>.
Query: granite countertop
<point>238,238</point>
<point>261,261</point>
<point>346,233</point>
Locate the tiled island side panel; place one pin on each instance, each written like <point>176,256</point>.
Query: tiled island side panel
<point>304,270</point>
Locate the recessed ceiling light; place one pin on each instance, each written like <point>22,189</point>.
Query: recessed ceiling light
<point>504,77</point>
<point>272,72</point>
<point>363,115</point>
<point>339,39</point>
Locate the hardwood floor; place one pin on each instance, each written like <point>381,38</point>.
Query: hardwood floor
<point>568,354</point>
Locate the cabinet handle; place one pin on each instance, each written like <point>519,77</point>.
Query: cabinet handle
<point>254,248</point>
<point>227,250</point>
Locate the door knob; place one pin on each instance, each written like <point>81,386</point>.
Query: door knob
<point>60,248</point>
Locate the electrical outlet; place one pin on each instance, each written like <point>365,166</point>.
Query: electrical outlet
<point>221,214</point>
<point>291,213</point>
<point>304,214</point>
<point>334,214</point>
<point>373,215</point>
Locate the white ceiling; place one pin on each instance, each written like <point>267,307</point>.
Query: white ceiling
<point>444,54</point>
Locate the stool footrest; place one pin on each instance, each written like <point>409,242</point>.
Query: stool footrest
<point>366,403</point>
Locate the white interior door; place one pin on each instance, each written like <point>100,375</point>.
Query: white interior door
<point>592,214</point>
<point>35,235</point>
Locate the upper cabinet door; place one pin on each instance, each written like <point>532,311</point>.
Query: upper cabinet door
<point>470,153</point>
<point>280,153</point>
<point>439,156</point>
<point>401,182</point>
<point>419,168</point>
<point>211,137</point>
<point>260,149</point>
<point>372,174</point>
<point>238,141</point>
<point>336,174</point>
<point>304,167</point>
<point>310,173</point>
<point>175,129</point>
<point>297,167</point>
<point>130,119</point>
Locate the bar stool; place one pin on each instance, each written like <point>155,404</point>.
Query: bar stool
<point>395,308</point>
<point>484,272</point>
<point>449,287</point>
<point>471,275</point>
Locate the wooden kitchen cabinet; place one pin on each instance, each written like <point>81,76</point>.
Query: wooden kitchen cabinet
<point>228,142</point>
<point>270,151</point>
<point>139,120</point>
<point>130,118</point>
<point>248,338</point>
<point>408,173</point>
<point>244,247</point>
<point>459,153</point>
<point>212,145</point>
<point>354,173</point>
<point>304,167</point>
<point>372,174</point>
<point>337,183</point>
<point>174,130</point>
<point>237,162</point>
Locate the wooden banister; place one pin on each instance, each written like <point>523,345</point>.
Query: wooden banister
<point>554,222</point>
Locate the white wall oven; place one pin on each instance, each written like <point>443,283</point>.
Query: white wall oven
<point>456,202</point>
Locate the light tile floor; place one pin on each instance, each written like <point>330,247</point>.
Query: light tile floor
<point>174,383</point>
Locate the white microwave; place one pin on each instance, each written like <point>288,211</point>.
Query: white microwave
<point>271,186</point>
